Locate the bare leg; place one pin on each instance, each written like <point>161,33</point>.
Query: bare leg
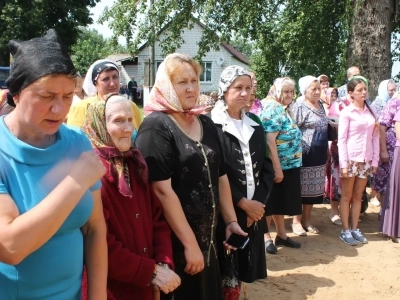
<point>358,190</point>
<point>347,194</point>
<point>305,220</point>
<point>267,236</point>
<point>334,208</point>
<point>279,221</point>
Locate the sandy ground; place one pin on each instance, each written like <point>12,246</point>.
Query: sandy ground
<point>326,268</point>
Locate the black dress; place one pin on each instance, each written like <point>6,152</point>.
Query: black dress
<point>171,154</point>
<point>251,262</point>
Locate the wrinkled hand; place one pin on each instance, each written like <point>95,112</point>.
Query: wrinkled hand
<point>87,169</point>
<point>194,260</point>
<point>166,280</point>
<point>384,156</point>
<point>233,228</point>
<point>254,209</point>
<point>278,176</point>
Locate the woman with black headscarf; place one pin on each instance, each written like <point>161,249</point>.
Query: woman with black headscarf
<point>51,216</point>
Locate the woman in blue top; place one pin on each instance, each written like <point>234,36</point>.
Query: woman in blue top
<point>284,142</point>
<point>51,218</point>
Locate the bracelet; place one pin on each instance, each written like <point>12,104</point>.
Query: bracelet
<point>164,265</point>
<point>231,222</point>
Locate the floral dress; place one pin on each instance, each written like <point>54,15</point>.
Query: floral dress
<point>386,119</point>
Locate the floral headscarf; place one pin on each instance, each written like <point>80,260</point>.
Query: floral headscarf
<point>95,129</point>
<point>163,96</point>
<point>228,76</point>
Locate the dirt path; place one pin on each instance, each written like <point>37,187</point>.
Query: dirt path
<point>326,268</point>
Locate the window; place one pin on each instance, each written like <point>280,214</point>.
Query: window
<point>158,63</point>
<point>206,74</point>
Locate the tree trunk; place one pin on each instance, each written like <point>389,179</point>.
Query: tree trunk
<point>369,42</point>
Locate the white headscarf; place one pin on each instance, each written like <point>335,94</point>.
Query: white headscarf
<point>94,71</point>
<point>383,90</point>
<point>305,82</point>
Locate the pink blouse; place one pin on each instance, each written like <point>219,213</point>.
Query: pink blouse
<point>358,136</point>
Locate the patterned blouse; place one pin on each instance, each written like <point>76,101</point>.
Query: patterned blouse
<point>288,141</point>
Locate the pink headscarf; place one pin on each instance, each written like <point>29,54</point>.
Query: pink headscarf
<point>163,96</point>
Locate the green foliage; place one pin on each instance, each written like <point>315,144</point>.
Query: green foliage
<point>302,38</point>
<point>23,20</point>
<point>91,46</point>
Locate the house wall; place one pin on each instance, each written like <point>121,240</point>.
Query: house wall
<point>190,47</point>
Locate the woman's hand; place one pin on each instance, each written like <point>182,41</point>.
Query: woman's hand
<point>253,209</point>
<point>233,227</point>
<point>87,169</point>
<point>374,169</point>
<point>384,156</point>
<point>166,280</point>
<point>278,176</point>
<point>194,259</point>
<point>343,173</point>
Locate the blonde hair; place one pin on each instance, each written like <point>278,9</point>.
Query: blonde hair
<point>175,61</point>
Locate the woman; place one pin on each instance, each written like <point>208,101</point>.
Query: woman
<point>284,142</point>
<point>386,90</point>
<point>311,119</point>
<point>387,142</point>
<point>249,170</point>
<point>49,183</point>
<point>138,237</point>
<point>187,172</point>
<point>391,207</point>
<point>332,185</point>
<point>331,95</point>
<point>101,79</point>
<point>385,114</point>
<point>358,143</point>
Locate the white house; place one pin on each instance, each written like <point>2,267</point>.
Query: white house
<point>213,62</point>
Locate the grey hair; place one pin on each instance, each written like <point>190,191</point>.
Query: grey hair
<point>115,99</point>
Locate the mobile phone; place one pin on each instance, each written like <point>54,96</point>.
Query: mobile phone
<point>237,241</point>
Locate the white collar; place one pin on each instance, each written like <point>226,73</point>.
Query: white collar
<point>220,116</point>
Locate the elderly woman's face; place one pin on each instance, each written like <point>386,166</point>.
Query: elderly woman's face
<point>45,103</point>
<point>313,93</point>
<point>107,82</point>
<point>186,85</point>
<point>119,125</point>
<point>391,89</point>
<point>238,93</point>
<point>287,93</point>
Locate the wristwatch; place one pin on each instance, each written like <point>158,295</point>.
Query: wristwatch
<point>164,265</point>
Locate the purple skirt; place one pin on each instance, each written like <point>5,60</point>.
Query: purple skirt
<point>390,218</point>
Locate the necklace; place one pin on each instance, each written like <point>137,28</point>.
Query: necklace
<point>180,127</point>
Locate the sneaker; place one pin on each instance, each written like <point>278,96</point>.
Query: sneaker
<point>357,235</point>
<point>270,247</point>
<point>347,237</point>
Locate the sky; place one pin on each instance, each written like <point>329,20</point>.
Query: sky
<point>107,33</point>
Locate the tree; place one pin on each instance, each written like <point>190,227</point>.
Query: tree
<point>23,20</point>
<point>91,46</point>
<point>293,37</point>
<point>372,24</point>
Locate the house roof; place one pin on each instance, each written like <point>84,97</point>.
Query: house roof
<point>118,57</point>
<point>232,50</point>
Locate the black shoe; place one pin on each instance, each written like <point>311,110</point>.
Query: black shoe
<point>270,247</point>
<point>288,242</point>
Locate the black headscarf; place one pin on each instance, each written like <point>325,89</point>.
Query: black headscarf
<point>36,58</point>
